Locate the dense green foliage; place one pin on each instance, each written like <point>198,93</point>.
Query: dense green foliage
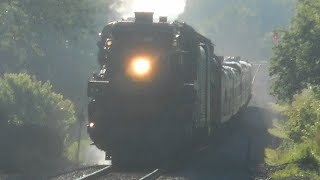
<point>34,122</point>
<point>24,100</point>
<point>48,41</point>
<point>53,40</point>
<point>300,149</point>
<point>295,66</point>
<point>240,27</point>
<point>26,23</point>
<point>296,61</point>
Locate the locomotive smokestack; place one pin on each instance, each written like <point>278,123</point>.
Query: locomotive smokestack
<point>144,17</point>
<point>163,19</point>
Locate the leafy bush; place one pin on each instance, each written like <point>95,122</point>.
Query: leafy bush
<point>304,116</point>
<point>34,121</point>
<point>300,133</point>
<point>24,100</point>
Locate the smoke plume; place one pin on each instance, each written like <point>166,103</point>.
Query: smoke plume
<point>169,8</point>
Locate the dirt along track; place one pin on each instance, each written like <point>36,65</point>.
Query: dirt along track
<point>241,150</point>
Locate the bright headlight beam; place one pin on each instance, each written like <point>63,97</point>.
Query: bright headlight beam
<point>141,66</point>
<point>91,125</point>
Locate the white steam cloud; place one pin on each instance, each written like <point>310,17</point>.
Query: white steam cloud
<point>170,8</point>
<point>93,156</point>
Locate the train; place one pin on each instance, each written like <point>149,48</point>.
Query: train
<point>160,90</point>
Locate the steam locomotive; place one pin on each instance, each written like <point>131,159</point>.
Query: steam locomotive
<point>161,89</point>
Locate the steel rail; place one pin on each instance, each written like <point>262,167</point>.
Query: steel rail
<point>153,175</point>
<point>97,174</point>
<point>255,74</point>
<point>73,170</point>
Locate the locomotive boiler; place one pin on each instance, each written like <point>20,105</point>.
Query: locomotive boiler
<point>160,90</point>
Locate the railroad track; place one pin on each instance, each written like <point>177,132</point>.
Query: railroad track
<point>97,174</point>
<point>109,169</point>
<point>79,169</point>
<point>153,175</point>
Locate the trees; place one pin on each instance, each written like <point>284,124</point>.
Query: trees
<point>26,24</point>
<point>299,153</point>
<point>296,61</point>
<point>27,101</point>
<point>295,66</point>
<point>53,40</point>
<point>240,27</point>
<point>34,122</point>
<point>48,41</point>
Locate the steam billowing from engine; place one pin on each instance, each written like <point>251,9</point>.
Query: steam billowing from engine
<point>169,8</point>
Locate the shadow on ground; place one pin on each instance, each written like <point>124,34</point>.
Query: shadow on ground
<point>236,150</point>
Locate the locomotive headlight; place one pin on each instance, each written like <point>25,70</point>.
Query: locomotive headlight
<point>108,43</point>
<point>141,66</point>
<point>91,125</point>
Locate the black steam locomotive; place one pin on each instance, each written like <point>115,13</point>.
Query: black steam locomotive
<point>161,89</point>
